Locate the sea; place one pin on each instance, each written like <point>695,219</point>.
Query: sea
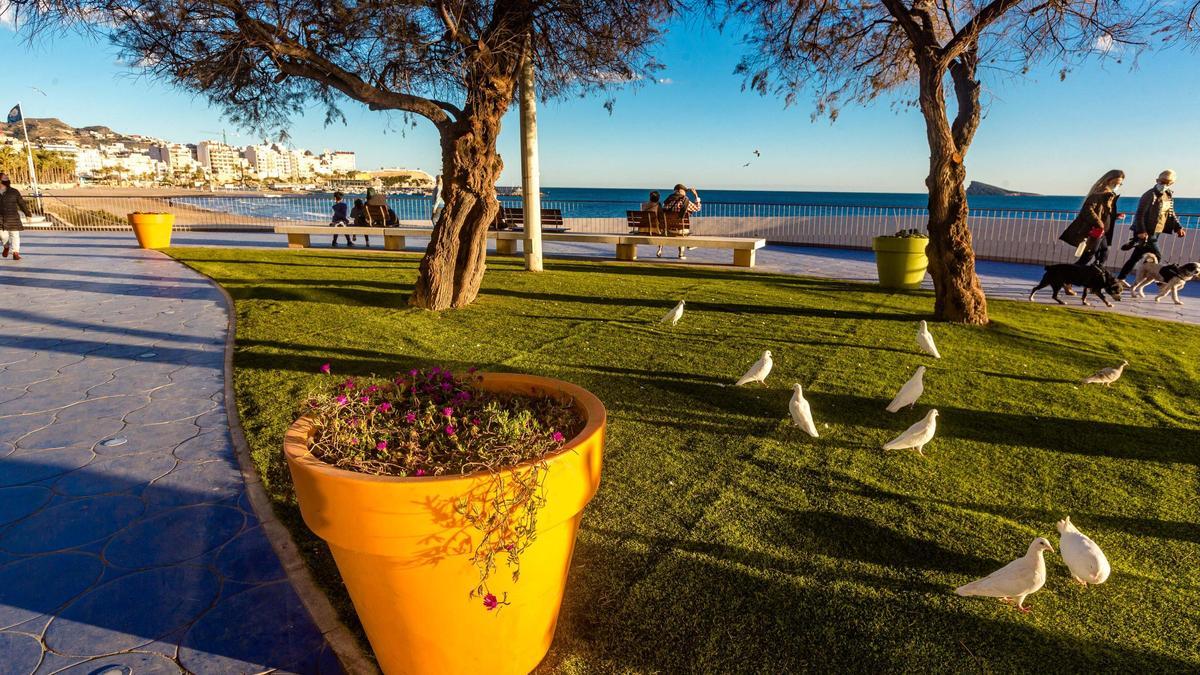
<point>579,202</point>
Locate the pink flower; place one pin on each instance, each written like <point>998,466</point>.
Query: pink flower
<point>463,396</point>
<point>472,369</point>
<point>414,372</point>
<point>558,437</point>
<point>385,406</point>
<point>450,431</point>
<point>411,418</point>
<point>381,445</point>
<point>448,412</point>
<point>420,472</point>
<point>490,602</point>
<point>446,386</point>
<point>342,400</point>
<point>348,384</point>
<point>364,399</point>
<point>353,440</point>
<point>475,421</point>
<point>326,368</point>
<point>372,389</point>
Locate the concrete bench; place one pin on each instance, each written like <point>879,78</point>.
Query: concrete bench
<point>299,236</point>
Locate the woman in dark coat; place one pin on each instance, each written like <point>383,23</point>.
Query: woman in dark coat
<point>1093,227</point>
<point>12,205</point>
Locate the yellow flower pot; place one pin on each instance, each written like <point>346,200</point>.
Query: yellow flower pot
<point>153,230</point>
<point>404,551</point>
<point>900,261</point>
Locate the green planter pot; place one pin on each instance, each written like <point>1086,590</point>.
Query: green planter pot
<point>901,261</point>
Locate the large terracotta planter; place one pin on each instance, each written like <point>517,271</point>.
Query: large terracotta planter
<point>153,230</point>
<point>900,261</point>
<point>404,551</point>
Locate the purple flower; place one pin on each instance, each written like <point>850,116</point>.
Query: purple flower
<point>472,370</point>
<point>414,372</point>
<point>450,431</point>
<point>364,399</point>
<point>490,602</point>
<point>558,437</point>
<point>420,472</point>
<point>463,396</point>
<point>411,418</point>
<point>448,412</point>
<point>342,400</point>
<point>348,384</point>
<point>475,421</point>
<point>446,386</point>
<point>385,406</point>
<point>381,445</point>
<point>326,368</point>
<point>435,370</point>
<point>372,389</point>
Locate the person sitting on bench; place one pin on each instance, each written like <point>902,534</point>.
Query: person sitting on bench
<point>677,202</point>
<point>339,217</point>
<point>358,216</point>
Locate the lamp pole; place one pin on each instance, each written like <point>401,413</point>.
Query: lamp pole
<point>531,191</point>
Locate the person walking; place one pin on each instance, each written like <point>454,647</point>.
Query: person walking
<point>340,217</point>
<point>1155,216</point>
<point>1092,229</point>
<point>678,202</point>
<point>12,205</point>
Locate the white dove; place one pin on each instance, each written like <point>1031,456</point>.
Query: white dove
<point>910,392</point>
<point>801,412</point>
<point>759,371</point>
<point>1016,580</point>
<point>1084,558</point>
<point>1106,376</point>
<point>917,435</point>
<point>672,317</point>
<point>925,341</point>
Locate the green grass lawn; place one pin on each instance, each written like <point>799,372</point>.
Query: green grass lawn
<point>722,538</point>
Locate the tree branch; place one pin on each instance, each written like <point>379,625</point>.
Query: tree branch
<point>969,35</point>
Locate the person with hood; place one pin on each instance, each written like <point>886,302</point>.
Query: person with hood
<point>1155,216</point>
<point>12,205</point>
<point>1092,229</point>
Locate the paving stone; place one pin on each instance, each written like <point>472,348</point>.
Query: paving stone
<point>134,610</point>
<point>39,585</point>
<point>18,502</point>
<point>135,663</point>
<point>70,434</point>
<point>141,438</point>
<point>208,446</point>
<point>22,467</point>
<point>22,653</point>
<point>71,524</point>
<point>110,475</point>
<point>171,410</point>
<point>199,483</point>
<point>211,647</point>
<point>250,559</point>
<point>174,536</point>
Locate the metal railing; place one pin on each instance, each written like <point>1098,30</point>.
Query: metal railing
<point>1013,235</point>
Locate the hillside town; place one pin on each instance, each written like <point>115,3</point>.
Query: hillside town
<point>100,156</point>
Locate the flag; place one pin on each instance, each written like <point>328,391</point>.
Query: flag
<point>14,115</point>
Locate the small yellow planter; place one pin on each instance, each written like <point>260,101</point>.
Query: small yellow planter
<point>153,230</point>
<point>404,551</point>
<point>901,261</point>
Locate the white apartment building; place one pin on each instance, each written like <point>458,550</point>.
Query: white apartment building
<point>339,161</point>
<point>176,157</point>
<point>223,163</point>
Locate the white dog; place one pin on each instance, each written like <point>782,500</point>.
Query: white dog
<point>1176,276</point>
<point>1147,273</point>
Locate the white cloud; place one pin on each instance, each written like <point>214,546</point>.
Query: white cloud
<point>1104,43</point>
<point>665,80</point>
<point>8,15</point>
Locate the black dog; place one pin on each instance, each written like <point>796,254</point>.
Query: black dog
<point>1090,277</point>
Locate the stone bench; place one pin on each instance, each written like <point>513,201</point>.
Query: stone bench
<point>299,236</point>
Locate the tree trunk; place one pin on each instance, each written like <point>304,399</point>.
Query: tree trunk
<point>454,262</point>
<point>957,294</point>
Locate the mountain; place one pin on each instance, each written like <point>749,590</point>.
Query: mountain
<point>53,130</point>
<point>985,190</point>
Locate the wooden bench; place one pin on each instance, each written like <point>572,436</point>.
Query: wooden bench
<point>299,236</point>
<point>513,218</point>
<point>662,222</point>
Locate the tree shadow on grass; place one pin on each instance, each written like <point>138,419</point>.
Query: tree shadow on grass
<point>714,608</point>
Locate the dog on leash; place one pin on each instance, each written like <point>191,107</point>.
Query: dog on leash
<point>1091,277</point>
<point>1147,273</point>
<point>1174,277</point>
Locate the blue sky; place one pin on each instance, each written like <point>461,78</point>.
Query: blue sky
<point>1039,134</point>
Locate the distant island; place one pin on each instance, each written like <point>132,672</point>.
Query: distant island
<point>984,190</point>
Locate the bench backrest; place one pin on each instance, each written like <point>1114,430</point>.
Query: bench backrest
<point>515,217</point>
<point>662,222</point>
<point>376,215</point>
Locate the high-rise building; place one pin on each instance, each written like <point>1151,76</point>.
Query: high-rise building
<point>339,161</point>
<point>176,156</point>
<point>222,162</point>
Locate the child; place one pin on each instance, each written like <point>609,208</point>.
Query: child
<point>340,217</point>
<point>359,215</point>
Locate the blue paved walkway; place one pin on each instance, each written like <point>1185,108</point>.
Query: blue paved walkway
<point>141,551</point>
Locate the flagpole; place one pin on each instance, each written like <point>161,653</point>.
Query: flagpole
<point>33,182</point>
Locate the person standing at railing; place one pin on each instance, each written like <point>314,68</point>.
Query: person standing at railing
<point>340,217</point>
<point>678,202</point>
<point>1155,216</point>
<point>12,205</point>
<point>1092,229</point>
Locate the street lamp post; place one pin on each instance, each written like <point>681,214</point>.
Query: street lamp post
<point>531,190</point>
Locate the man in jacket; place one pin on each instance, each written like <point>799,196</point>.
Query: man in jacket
<point>1155,216</point>
<point>12,205</point>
